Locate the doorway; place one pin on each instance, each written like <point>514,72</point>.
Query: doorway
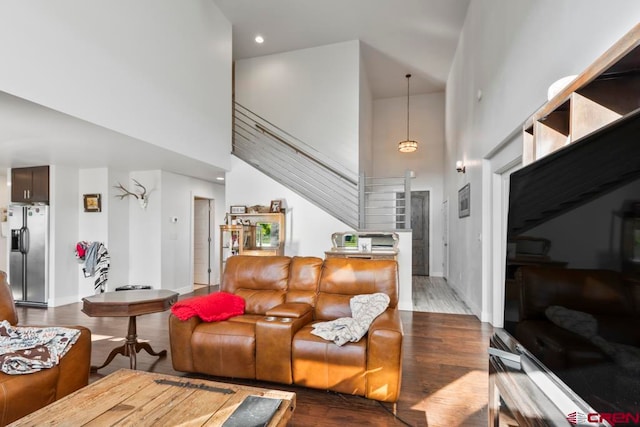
<point>420,233</point>
<point>203,227</point>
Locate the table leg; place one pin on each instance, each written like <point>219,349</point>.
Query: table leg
<point>130,344</point>
<point>130,348</point>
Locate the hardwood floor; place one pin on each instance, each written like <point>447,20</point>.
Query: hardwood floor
<point>434,295</point>
<point>444,369</point>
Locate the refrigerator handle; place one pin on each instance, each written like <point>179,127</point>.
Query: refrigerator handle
<point>25,240</point>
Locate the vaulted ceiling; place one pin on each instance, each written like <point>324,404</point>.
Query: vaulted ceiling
<point>416,36</point>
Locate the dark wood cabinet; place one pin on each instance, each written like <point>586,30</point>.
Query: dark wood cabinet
<point>30,185</point>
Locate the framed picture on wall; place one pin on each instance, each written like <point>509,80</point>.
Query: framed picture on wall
<point>92,203</point>
<point>464,201</point>
<point>276,206</point>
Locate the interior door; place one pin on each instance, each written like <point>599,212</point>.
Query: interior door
<point>202,239</point>
<point>420,232</point>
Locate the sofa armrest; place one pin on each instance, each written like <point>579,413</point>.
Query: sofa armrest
<point>384,357</point>
<point>180,333</point>
<point>75,365</point>
<point>274,337</point>
<point>290,309</point>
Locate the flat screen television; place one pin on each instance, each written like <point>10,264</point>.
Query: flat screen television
<point>575,216</point>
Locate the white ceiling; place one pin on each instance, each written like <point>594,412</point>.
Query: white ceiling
<point>398,36</point>
<point>31,135</point>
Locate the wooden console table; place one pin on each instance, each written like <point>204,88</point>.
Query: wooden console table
<point>374,254</point>
<point>129,304</point>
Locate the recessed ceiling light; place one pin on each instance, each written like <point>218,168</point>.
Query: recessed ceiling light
<point>259,39</point>
<point>220,178</point>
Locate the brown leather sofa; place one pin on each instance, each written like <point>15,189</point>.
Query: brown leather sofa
<point>22,394</point>
<point>272,341</point>
<point>605,294</point>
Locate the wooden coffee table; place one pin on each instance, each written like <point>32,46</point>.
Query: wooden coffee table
<point>129,304</point>
<point>140,398</point>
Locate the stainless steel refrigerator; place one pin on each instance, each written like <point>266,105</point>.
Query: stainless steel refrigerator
<point>28,259</point>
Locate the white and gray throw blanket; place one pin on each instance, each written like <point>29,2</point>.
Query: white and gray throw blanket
<point>97,261</point>
<point>364,309</point>
<point>24,350</point>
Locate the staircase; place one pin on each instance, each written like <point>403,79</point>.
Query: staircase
<point>360,202</point>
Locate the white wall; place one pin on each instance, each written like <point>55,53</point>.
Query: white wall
<point>366,123</point>
<point>5,196</point>
<point>511,52</point>
<point>65,200</point>
<point>145,238</point>
<point>427,127</point>
<point>313,94</point>
<point>145,247</point>
<point>160,251</point>
<point>110,226</point>
<point>178,192</point>
<point>308,228</point>
<point>93,226</point>
<point>157,70</point>
<point>117,212</point>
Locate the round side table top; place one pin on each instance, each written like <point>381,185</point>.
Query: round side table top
<point>128,303</point>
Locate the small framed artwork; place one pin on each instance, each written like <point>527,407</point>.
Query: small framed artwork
<point>276,206</point>
<point>464,201</point>
<point>92,203</point>
<point>238,209</point>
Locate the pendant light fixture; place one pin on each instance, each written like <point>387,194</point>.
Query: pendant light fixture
<point>408,145</point>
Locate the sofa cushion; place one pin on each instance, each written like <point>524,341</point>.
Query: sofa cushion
<point>343,278</point>
<point>304,274</point>
<point>225,349</point>
<point>260,281</point>
<point>318,363</point>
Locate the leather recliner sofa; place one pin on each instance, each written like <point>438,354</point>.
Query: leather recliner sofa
<point>22,394</point>
<point>606,295</point>
<point>272,341</point>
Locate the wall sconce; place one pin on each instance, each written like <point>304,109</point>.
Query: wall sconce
<point>460,167</point>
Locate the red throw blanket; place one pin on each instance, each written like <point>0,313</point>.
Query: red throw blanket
<point>210,308</point>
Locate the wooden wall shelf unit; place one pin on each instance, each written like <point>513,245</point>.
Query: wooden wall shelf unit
<point>258,234</point>
<point>606,91</point>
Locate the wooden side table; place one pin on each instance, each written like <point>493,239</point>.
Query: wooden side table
<point>129,304</point>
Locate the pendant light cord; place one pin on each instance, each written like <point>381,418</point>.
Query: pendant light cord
<point>408,76</point>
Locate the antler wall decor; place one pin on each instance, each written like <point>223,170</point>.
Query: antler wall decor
<point>142,197</point>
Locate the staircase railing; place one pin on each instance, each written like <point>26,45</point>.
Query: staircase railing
<point>296,165</point>
<point>385,202</point>
<point>363,203</point>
